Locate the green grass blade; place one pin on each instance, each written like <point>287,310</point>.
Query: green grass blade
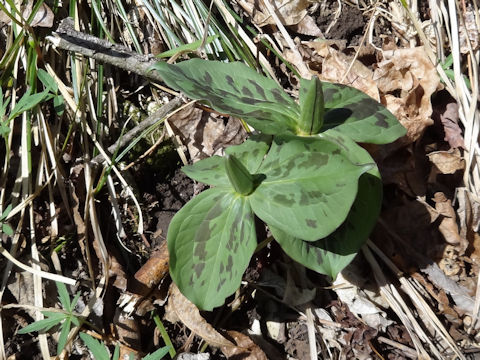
<point>164,334</point>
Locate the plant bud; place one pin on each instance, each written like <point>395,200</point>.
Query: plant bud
<point>311,106</point>
<point>240,178</point>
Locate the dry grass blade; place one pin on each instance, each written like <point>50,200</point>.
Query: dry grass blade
<point>229,19</point>
<point>396,302</point>
<point>420,304</point>
<point>302,68</point>
<point>40,273</point>
<point>312,342</point>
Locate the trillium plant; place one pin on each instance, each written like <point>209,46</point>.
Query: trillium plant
<point>303,174</point>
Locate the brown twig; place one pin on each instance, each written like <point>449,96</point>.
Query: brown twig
<point>149,121</point>
<point>67,38</point>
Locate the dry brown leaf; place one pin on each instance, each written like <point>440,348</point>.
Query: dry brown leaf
<point>246,349</point>
<point>322,46</point>
<point>410,72</point>
<point>43,17</point>
<point>448,226</point>
<point>290,12</point>
<point>440,296</point>
<point>412,222</point>
<point>179,308</point>
<point>453,133</point>
<point>4,18</point>
<point>447,162</point>
<point>307,26</point>
<point>293,58</point>
<point>205,134</point>
<point>336,64</point>
<point>460,295</point>
<point>191,356</point>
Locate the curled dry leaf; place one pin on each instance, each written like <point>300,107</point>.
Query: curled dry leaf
<point>43,17</point>
<point>322,46</point>
<point>246,349</point>
<point>453,133</point>
<point>410,72</point>
<point>307,26</point>
<point>179,308</point>
<point>448,225</point>
<point>469,219</point>
<point>205,134</point>
<point>336,64</point>
<point>462,298</point>
<point>290,12</point>
<point>190,356</point>
<point>116,272</point>
<point>447,162</point>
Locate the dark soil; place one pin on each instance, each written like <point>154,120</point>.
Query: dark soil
<point>349,26</point>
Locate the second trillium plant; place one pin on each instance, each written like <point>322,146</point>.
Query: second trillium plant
<point>304,176</point>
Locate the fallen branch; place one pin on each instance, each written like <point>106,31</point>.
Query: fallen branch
<point>67,38</point>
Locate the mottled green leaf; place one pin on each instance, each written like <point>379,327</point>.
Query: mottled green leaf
<point>330,255</point>
<point>309,186</point>
<point>235,89</point>
<point>252,152</point>
<point>210,242</point>
<point>210,171</point>
<point>357,115</point>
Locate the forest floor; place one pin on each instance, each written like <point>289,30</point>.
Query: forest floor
<point>410,293</point>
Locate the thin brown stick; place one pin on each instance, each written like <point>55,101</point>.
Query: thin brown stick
<point>67,38</point>
<point>411,353</point>
<point>149,121</point>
